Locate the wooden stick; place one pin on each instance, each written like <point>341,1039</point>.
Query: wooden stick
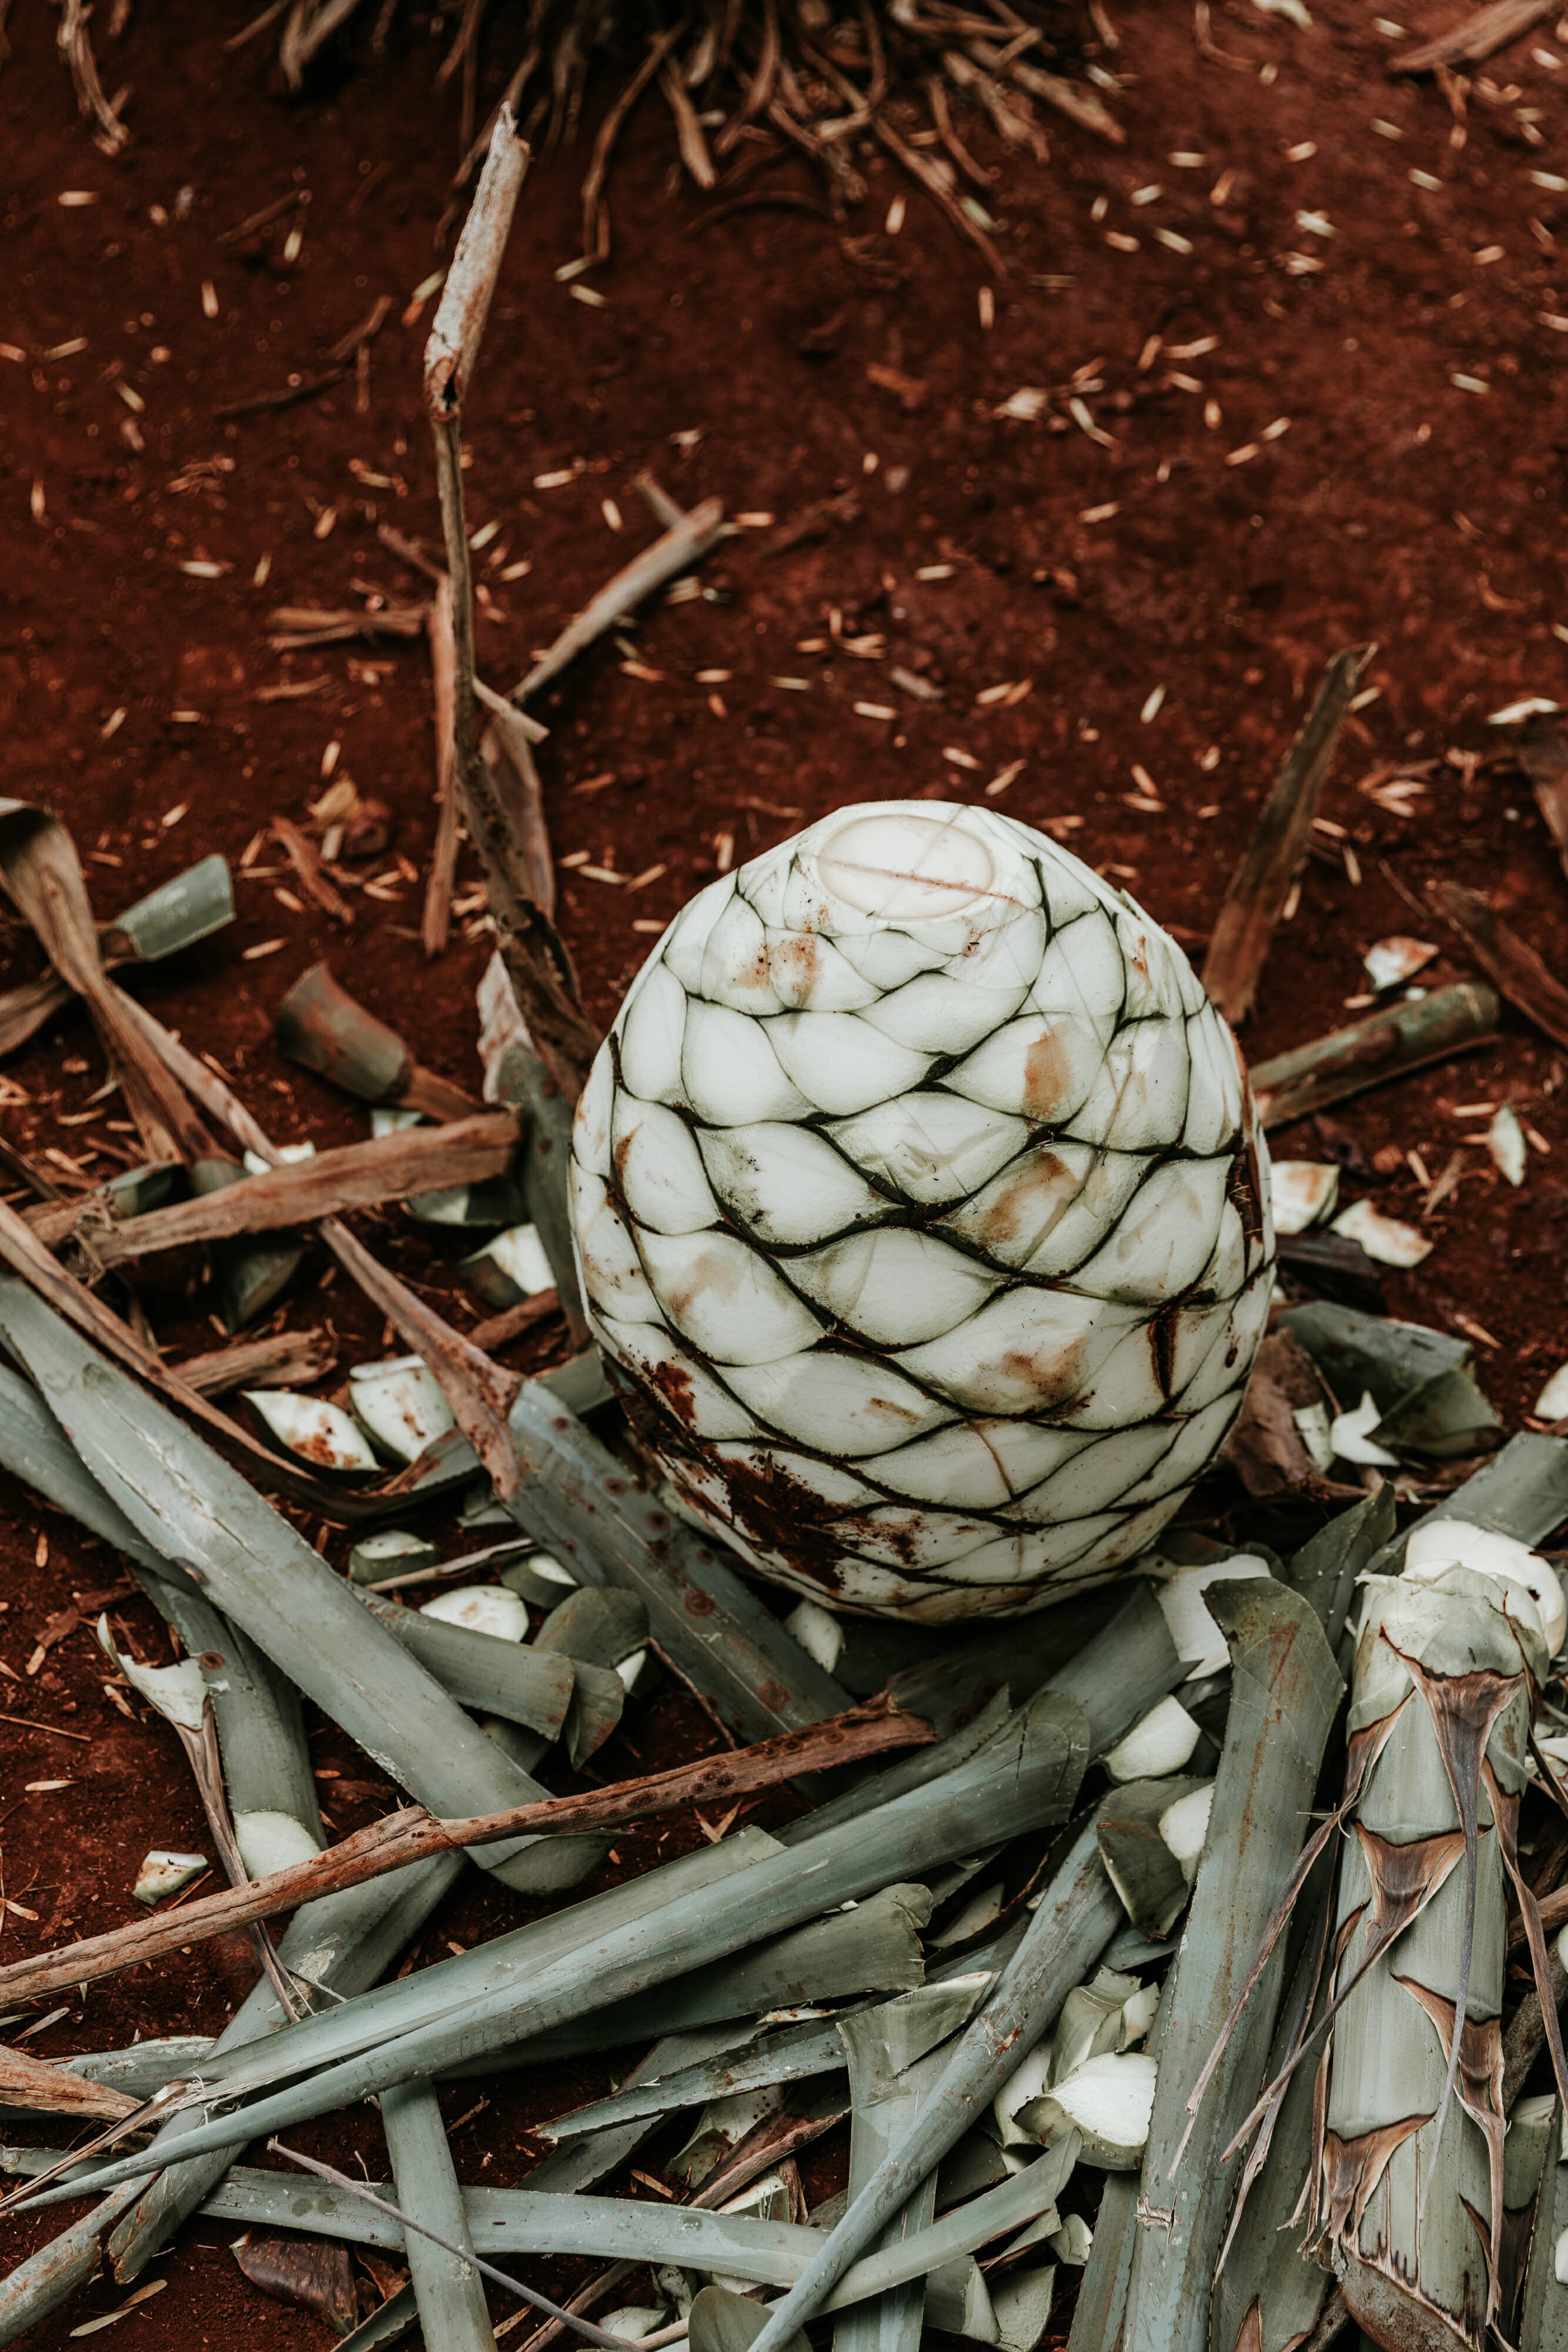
<point>1509,959</point>
<point>29,2081</point>
<point>1261,882</point>
<point>506,750</point>
<point>436,924</point>
<point>280,1359</point>
<point>1383,1046</point>
<point>1474,37</point>
<point>411,1835</point>
<point>306,859</point>
<point>538,964</point>
<point>684,544</point>
<point>497,1329</point>
<point>1543,756</point>
<point>352,1176</point>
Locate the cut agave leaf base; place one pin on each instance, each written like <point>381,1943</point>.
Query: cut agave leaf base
<point>923,1215</point>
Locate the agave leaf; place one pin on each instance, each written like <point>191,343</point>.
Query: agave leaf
<point>449,2291</point>
<point>1102,2291</point>
<point>1269,2291</point>
<point>524,2220</point>
<point>1444,1420</point>
<point>1145,1873</point>
<point>514,1074</point>
<point>1326,1568</point>
<point>791,2055</point>
<point>1521,1492</point>
<point>894,2058</point>
<point>1024,1779</point>
<point>188,907</point>
<point>267,1579</point>
<point>1367,1053</point>
<point>1356,1352</point>
<point>1543,2324</point>
<point>140,2070</point>
<point>336,1938</point>
<point>530,1687</point>
<point>1285,1695</point>
<point>1071,1926</point>
<point>321,1025</point>
<point>577,1502</point>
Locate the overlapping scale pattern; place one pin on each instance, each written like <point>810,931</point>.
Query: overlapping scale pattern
<point>922,1215</point>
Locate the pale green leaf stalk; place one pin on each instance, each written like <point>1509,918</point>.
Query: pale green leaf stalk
<point>1409,2178</point>
<point>449,2291</point>
<point>1285,1693</point>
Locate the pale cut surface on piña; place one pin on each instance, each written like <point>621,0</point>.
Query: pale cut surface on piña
<point>923,1214</point>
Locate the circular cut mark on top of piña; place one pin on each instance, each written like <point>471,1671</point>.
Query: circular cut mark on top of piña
<point>905,866</point>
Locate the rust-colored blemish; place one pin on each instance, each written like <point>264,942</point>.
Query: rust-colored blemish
<point>1050,1374</point>
<point>1047,1076</point>
<point>1021,1208</point>
<point>712,1274</point>
<point>676,1389</point>
<point>796,964</point>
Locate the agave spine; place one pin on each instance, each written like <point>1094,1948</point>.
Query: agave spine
<point>921,1207</point>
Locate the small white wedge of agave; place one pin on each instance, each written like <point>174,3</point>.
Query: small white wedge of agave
<point>1156,1746</point>
<point>390,1551</point>
<point>1185,1825</point>
<point>289,1156</point>
<point>398,1403</point>
<point>1505,1141</point>
<point>271,1841</point>
<point>319,1433</point>
<point>1388,1240</point>
<point>819,1632</point>
<point>1108,2101</point>
<point>165,1872</point>
<point>1388,961</point>
<point>1551,1404</point>
<point>1303,1192</point>
<point>520,1255</point>
<point>1192,1629</point>
<point>1349,1436</point>
<point>483,1609</point>
<point>178,1692</point>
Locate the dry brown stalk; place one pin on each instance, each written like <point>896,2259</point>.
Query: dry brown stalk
<point>513,1321</point>
<point>352,1176</point>
<point>1260,884</point>
<point>411,1834</point>
<point>435,925</point>
<point>303,855</point>
<point>536,961</point>
<point>1474,37</point>
<point>280,1359</point>
<point>1543,756</point>
<point>43,876</point>
<point>29,2081</point>
<point>1506,958</point>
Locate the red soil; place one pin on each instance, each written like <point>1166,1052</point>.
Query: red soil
<point>1347,279</point>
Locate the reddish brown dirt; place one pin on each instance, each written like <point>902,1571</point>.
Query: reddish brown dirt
<point>1347,279</point>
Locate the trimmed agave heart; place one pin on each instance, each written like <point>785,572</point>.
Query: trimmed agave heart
<point>923,1214</point>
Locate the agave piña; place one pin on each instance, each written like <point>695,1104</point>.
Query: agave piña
<point>922,1212</point>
